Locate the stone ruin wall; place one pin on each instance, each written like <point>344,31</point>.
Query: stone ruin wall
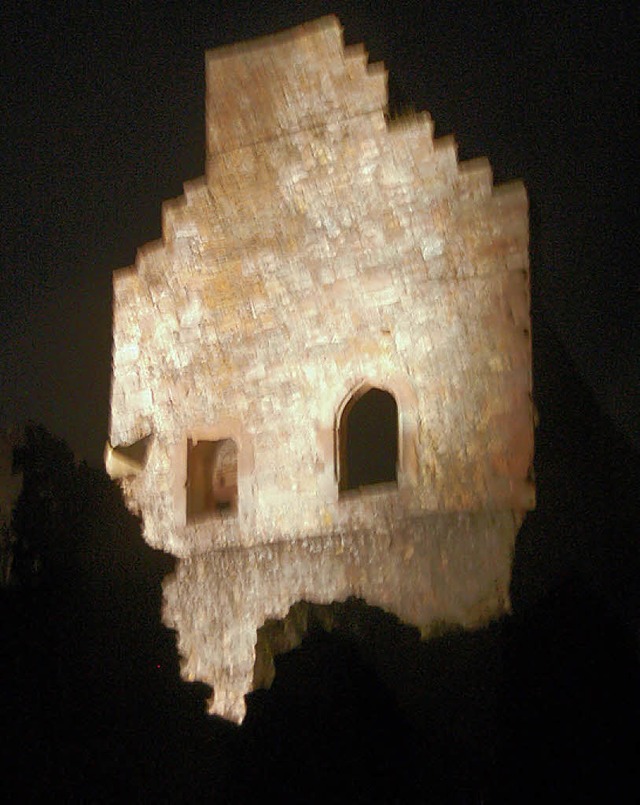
<point>326,247</point>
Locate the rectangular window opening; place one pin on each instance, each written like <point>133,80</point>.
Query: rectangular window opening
<point>212,478</point>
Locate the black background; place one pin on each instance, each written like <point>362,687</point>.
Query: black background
<point>104,109</point>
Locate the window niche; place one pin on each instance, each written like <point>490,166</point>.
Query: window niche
<point>212,478</point>
<point>368,440</point>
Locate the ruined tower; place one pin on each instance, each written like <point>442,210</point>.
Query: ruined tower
<point>322,371</point>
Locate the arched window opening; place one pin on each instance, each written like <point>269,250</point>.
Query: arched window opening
<point>212,478</point>
<point>368,440</point>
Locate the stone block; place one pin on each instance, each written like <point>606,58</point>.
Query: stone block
<point>331,348</point>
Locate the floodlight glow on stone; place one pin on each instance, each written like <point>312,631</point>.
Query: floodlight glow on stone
<point>329,258</point>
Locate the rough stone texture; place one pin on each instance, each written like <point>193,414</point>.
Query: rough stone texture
<point>327,251</point>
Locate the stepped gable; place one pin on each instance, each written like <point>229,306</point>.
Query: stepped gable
<point>332,268</point>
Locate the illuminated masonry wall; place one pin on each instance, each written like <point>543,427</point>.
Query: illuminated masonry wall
<point>327,251</point>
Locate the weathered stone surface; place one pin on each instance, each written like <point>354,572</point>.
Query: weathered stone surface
<point>326,253</point>
<point>415,569</point>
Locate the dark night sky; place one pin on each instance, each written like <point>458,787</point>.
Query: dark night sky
<point>104,109</point>
<point>104,120</point>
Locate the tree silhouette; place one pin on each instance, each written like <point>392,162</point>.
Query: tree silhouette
<point>45,515</point>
